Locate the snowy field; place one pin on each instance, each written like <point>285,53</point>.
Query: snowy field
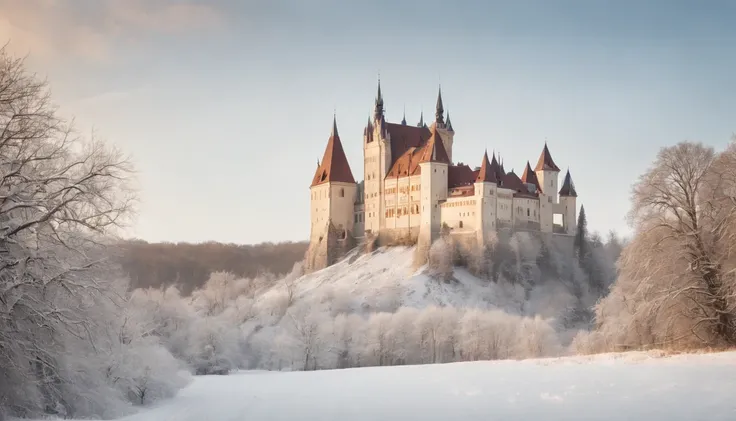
<point>631,386</point>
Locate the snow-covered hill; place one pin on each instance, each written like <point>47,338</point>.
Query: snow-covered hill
<point>632,386</point>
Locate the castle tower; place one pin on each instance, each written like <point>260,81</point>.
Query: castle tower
<point>376,160</point>
<point>547,173</point>
<point>568,203</point>
<point>332,192</point>
<point>445,129</point>
<point>433,164</point>
<point>486,184</point>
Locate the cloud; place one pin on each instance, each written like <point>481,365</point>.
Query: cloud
<point>89,29</point>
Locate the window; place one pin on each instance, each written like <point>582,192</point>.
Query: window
<point>356,218</point>
<point>342,192</point>
<point>527,212</point>
<point>460,224</point>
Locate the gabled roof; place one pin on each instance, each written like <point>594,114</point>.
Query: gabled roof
<point>486,174</point>
<point>545,161</point>
<point>334,166</point>
<point>405,137</point>
<point>512,181</point>
<point>530,177</point>
<point>434,149</point>
<point>568,187</point>
<point>459,175</point>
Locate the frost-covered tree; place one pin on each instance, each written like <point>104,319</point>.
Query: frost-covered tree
<point>676,283</point>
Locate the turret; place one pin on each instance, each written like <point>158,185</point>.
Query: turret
<point>486,184</point>
<point>332,191</point>
<point>568,204</point>
<point>547,174</point>
<point>433,164</point>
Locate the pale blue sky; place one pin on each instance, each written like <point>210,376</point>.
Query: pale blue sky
<point>225,106</point>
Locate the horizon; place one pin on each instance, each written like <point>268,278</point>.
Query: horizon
<point>226,106</point>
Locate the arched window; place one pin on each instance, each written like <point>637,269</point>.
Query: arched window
<point>460,224</point>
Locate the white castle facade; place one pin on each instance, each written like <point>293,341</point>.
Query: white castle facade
<point>413,190</point>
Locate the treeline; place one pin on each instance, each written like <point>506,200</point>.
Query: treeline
<point>187,266</point>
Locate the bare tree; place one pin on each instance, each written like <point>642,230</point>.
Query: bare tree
<point>60,196</point>
<point>674,285</point>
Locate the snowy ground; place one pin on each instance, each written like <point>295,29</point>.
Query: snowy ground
<point>633,386</point>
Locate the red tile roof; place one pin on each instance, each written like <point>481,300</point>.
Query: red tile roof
<point>431,150</point>
<point>404,137</point>
<point>545,161</point>
<point>486,173</point>
<point>334,166</point>
<point>568,187</point>
<point>434,149</point>
<point>459,175</point>
<point>530,177</point>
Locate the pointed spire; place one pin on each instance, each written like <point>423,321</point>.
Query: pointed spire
<point>378,110</point>
<point>530,177</point>
<point>568,187</point>
<point>545,162</point>
<point>403,120</point>
<point>334,126</point>
<point>503,170</point>
<point>334,166</point>
<point>449,124</point>
<point>440,111</point>
<point>486,173</point>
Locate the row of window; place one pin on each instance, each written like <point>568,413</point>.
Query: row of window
<point>460,203</point>
<point>358,217</point>
<point>404,189</point>
<point>414,209</point>
<point>321,194</point>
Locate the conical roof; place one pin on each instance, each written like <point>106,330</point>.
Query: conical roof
<point>530,177</point>
<point>486,173</point>
<point>334,166</point>
<point>545,161</point>
<point>568,187</point>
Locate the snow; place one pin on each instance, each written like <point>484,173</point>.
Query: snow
<point>385,279</point>
<point>636,386</point>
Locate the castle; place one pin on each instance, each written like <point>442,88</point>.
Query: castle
<point>412,190</point>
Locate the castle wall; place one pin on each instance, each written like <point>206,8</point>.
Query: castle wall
<point>526,213</point>
<point>459,213</point>
<point>319,209</point>
<point>504,208</point>
<point>402,207</point>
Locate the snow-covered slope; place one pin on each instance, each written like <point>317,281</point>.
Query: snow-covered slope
<point>385,280</point>
<point>633,386</point>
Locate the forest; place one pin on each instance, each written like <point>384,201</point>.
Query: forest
<point>92,326</point>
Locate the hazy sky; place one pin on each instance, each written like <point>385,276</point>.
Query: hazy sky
<point>225,106</point>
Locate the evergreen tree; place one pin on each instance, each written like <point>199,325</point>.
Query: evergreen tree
<point>581,234</point>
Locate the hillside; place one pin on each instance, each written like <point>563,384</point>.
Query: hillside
<point>636,386</point>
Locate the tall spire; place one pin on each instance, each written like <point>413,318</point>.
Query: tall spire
<point>378,110</point>
<point>334,126</point>
<point>403,120</point>
<point>449,124</point>
<point>439,116</point>
<point>421,120</point>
